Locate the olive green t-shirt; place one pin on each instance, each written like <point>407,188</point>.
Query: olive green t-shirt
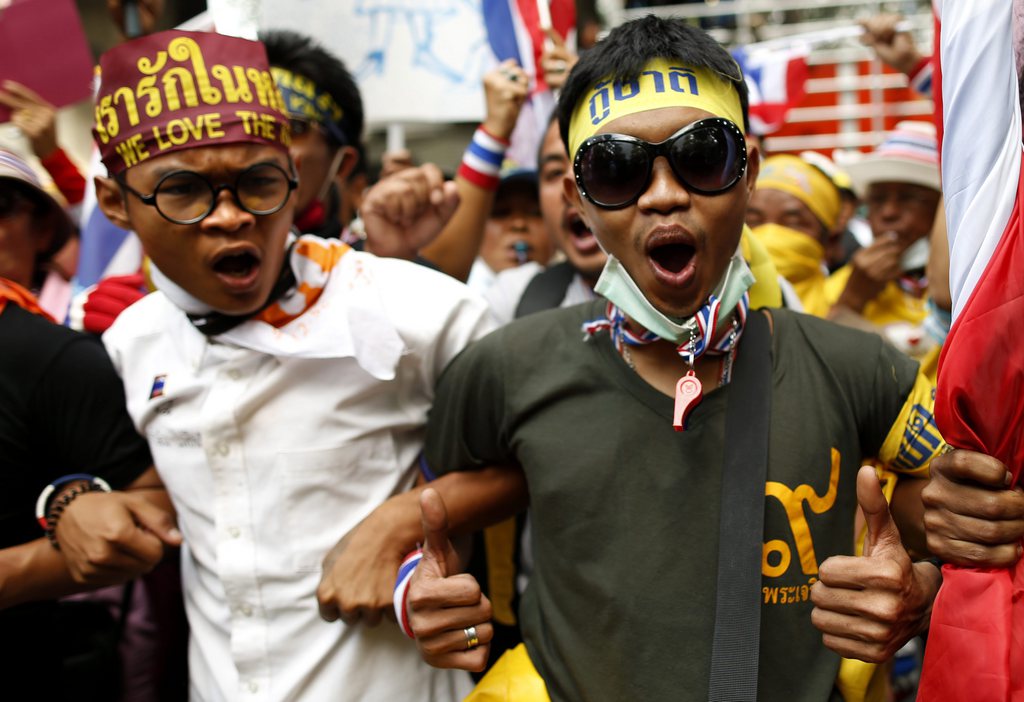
<point>625,511</point>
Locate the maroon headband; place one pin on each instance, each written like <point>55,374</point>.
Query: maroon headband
<point>176,90</point>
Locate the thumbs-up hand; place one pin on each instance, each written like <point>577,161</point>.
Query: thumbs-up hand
<point>868,606</point>
<point>448,613</point>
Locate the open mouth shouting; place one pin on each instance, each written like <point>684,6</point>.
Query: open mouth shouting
<point>580,237</point>
<point>237,266</point>
<point>672,256</point>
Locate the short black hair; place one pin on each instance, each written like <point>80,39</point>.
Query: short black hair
<point>622,55</point>
<point>303,56</point>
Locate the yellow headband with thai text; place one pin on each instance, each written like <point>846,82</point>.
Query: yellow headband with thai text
<point>662,83</point>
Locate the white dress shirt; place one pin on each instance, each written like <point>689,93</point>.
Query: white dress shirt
<point>507,289</point>
<point>271,459</point>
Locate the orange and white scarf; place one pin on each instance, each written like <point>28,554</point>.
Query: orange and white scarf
<point>12,292</point>
<point>332,310</point>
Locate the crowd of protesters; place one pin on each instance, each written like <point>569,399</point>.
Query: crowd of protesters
<point>645,420</point>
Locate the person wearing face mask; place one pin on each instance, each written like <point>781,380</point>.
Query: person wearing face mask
<point>794,212</point>
<point>851,229</point>
<point>531,288</point>
<point>884,284</point>
<point>326,112</point>
<point>632,438</point>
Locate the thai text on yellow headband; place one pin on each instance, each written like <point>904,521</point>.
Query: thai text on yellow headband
<point>662,83</point>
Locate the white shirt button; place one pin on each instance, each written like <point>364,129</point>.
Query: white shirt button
<point>234,374</point>
<point>223,449</point>
<point>254,687</point>
<point>234,532</point>
<point>246,610</point>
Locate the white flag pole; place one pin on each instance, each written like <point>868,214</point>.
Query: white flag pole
<point>544,14</point>
<point>395,137</point>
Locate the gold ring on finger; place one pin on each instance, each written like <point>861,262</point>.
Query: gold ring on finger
<point>472,640</point>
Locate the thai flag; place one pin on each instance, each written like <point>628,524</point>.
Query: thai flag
<point>976,641</point>
<point>776,80</point>
<point>158,386</point>
<point>515,29</point>
<point>104,248</point>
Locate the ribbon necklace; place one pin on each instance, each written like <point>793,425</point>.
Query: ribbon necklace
<point>213,323</point>
<point>689,391</point>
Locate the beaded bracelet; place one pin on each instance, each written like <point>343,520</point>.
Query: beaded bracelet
<point>48,493</point>
<point>51,504</point>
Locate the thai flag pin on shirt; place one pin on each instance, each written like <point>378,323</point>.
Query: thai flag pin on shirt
<point>158,387</point>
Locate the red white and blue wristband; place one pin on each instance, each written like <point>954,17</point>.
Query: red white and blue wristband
<point>43,502</point>
<point>401,597</point>
<point>481,164</point>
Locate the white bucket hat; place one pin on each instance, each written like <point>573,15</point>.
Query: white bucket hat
<point>909,154</point>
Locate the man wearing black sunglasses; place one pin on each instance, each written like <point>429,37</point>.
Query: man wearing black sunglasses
<point>773,413</point>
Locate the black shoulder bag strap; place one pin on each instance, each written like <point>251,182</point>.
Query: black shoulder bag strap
<point>736,648</point>
<point>547,289</point>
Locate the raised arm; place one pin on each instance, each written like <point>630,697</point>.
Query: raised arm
<point>456,247</point>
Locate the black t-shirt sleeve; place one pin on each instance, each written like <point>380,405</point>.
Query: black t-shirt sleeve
<point>79,406</point>
<point>466,426</point>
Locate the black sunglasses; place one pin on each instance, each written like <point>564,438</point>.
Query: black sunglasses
<point>708,157</point>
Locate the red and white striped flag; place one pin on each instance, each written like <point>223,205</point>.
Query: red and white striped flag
<point>776,82</point>
<point>516,30</point>
<point>976,642</point>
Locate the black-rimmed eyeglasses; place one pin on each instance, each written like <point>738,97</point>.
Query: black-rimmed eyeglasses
<point>187,197</point>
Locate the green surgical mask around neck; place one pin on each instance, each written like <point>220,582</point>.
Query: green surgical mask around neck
<point>618,287</point>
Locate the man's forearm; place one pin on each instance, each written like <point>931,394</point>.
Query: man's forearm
<point>34,571</point>
<point>481,498</point>
<point>475,499</point>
